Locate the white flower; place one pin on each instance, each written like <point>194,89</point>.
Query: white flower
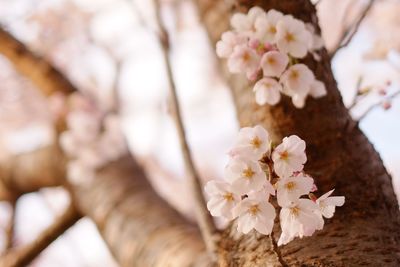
<point>267,90</point>
<point>266,25</point>
<point>255,212</point>
<point>228,42</point>
<point>68,143</point>
<point>273,63</point>
<point>297,80</point>
<point>316,42</point>
<point>245,22</point>
<point>290,156</point>
<point>327,204</point>
<point>78,173</point>
<point>243,59</point>
<point>245,175</point>
<point>290,189</point>
<point>83,125</point>
<point>299,219</point>
<point>292,37</point>
<point>252,142</point>
<point>317,89</point>
<point>222,199</point>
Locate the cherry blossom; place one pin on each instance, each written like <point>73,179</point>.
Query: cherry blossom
<point>253,167</point>
<point>317,89</point>
<point>327,204</point>
<point>273,63</point>
<point>267,91</point>
<point>93,138</point>
<point>255,212</point>
<point>229,40</point>
<point>245,175</point>
<point>243,59</point>
<point>297,80</point>
<point>222,199</point>
<point>292,37</point>
<point>266,25</point>
<point>253,142</point>
<point>245,22</point>
<point>268,45</point>
<point>290,156</point>
<point>289,189</point>
<point>298,219</point>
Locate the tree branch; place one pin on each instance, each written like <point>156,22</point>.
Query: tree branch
<point>378,104</point>
<point>20,257</point>
<point>348,34</point>
<point>39,71</point>
<point>10,230</point>
<point>204,220</point>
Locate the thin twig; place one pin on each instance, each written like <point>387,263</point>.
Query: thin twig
<point>348,35</point>
<point>356,98</point>
<point>372,107</point>
<point>204,220</point>
<point>20,257</point>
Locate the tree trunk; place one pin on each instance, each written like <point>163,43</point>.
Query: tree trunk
<point>365,231</point>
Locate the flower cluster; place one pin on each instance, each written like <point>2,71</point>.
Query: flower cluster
<point>93,138</point>
<point>266,47</point>
<point>255,173</point>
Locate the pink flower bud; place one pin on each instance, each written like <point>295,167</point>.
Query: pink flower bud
<point>314,188</point>
<point>382,91</point>
<point>254,44</point>
<point>312,197</point>
<point>386,105</point>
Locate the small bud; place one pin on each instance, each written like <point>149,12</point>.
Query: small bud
<point>254,44</point>
<point>314,188</point>
<point>312,197</point>
<point>382,91</point>
<point>386,105</point>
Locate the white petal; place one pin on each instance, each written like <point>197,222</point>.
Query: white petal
<point>317,89</point>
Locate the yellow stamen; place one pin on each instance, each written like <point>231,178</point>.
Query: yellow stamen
<point>256,142</point>
<point>295,211</point>
<point>248,173</point>
<point>290,186</point>
<point>253,210</point>
<point>229,197</point>
<point>284,155</point>
<point>289,37</point>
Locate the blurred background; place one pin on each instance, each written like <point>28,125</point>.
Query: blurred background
<point>107,45</point>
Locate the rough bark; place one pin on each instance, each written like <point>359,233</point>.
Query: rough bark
<point>139,227</point>
<point>39,71</point>
<point>19,173</point>
<point>364,232</point>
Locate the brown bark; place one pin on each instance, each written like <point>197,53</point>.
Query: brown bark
<point>139,227</point>
<point>19,174</point>
<point>19,257</point>
<point>38,70</point>
<point>364,232</point>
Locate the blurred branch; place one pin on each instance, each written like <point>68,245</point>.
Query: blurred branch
<point>46,77</point>
<point>357,97</point>
<point>349,33</point>
<point>204,220</point>
<point>23,256</point>
<point>378,104</point>
<point>10,230</point>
